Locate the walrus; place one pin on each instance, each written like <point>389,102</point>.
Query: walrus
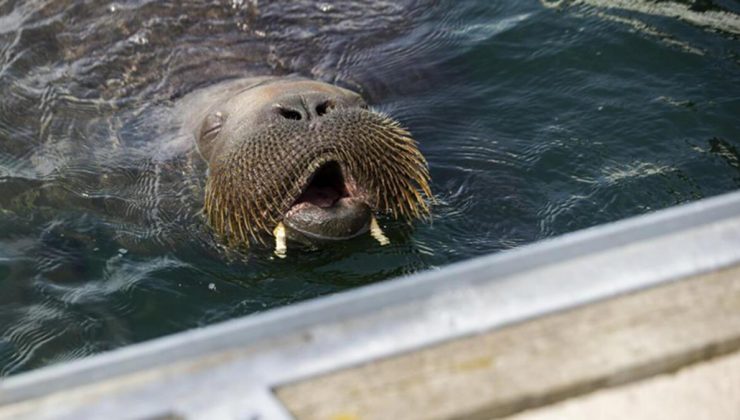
<point>302,160</point>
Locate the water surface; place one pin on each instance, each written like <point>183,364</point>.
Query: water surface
<point>537,118</point>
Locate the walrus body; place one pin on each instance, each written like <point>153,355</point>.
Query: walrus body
<point>306,159</point>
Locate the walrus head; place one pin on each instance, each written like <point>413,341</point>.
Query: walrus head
<point>308,158</point>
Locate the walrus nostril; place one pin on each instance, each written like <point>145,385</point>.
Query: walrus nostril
<point>289,114</point>
<point>324,107</point>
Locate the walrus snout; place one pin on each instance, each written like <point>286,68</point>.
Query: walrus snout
<point>330,207</point>
<point>304,160</point>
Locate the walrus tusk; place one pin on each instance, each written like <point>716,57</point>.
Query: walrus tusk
<point>281,248</point>
<point>377,232</point>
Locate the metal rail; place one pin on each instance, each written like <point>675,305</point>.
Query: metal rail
<point>228,370</point>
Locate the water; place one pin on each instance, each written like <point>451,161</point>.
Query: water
<point>537,119</point>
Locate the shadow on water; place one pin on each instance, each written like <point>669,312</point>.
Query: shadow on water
<point>537,118</point>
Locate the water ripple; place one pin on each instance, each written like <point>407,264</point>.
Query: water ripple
<point>536,120</point>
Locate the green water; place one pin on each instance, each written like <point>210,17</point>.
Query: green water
<point>536,121</point>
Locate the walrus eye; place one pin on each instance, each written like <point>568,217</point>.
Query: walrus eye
<point>211,126</point>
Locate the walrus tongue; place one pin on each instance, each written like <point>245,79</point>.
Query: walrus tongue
<point>323,197</point>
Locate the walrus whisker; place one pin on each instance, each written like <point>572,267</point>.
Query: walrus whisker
<point>255,181</point>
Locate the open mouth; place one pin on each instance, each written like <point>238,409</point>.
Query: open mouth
<point>325,187</point>
<point>329,208</point>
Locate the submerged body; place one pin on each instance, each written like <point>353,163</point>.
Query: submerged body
<point>302,160</point>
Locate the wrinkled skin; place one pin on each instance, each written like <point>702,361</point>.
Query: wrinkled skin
<point>303,153</point>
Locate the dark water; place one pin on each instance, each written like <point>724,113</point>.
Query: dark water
<point>536,120</point>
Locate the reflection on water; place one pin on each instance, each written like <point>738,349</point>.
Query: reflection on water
<point>713,15</point>
<point>537,117</point>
